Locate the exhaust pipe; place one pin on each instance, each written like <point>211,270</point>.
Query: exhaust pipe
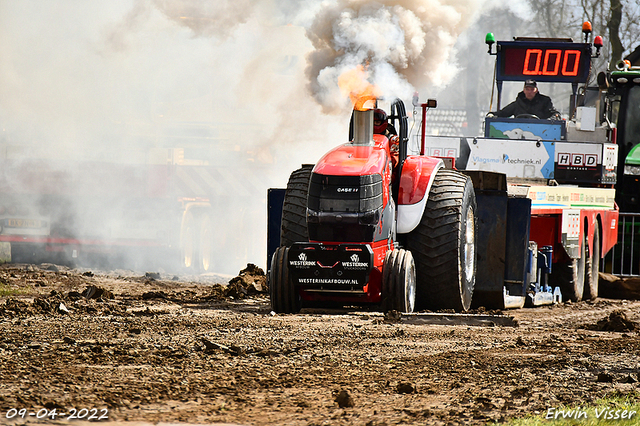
<point>363,127</point>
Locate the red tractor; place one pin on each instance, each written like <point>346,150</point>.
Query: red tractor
<point>369,226</point>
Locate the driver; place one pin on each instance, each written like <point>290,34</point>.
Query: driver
<point>380,124</point>
<point>382,127</point>
<point>531,102</point>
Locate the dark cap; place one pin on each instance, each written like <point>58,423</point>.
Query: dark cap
<point>530,83</point>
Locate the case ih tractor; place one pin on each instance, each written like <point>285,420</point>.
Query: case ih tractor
<point>521,215</point>
<point>368,226</point>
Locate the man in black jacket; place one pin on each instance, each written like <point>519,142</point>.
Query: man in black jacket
<point>531,102</point>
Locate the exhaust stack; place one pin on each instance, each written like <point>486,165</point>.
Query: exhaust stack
<point>363,127</point>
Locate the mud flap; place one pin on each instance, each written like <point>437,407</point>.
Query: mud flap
<point>490,246</point>
<point>502,241</point>
<point>275,199</point>
<point>517,255</point>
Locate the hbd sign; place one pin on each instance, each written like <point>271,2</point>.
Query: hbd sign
<point>577,160</point>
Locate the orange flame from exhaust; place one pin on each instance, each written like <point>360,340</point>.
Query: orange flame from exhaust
<point>353,83</point>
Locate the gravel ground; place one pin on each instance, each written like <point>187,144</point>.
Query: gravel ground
<point>147,347</point>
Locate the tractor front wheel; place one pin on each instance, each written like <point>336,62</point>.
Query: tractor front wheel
<point>284,295</point>
<point>398,282</point>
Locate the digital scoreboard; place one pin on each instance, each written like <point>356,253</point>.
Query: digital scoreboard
<point>547,61</point>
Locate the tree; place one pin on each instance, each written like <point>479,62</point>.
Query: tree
<point>618,21</point>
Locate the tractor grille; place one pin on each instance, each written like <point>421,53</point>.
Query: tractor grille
<point>344,208</point>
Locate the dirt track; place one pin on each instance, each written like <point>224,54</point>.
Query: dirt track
<point>160,348</point>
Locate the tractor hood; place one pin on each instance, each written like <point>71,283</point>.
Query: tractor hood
<point>355,160</point>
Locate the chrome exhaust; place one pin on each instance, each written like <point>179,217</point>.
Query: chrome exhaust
<point>363,127</point>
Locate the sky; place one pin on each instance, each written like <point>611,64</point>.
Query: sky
<point>246,86</point>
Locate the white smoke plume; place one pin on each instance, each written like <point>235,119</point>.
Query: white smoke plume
<point>404,44</point>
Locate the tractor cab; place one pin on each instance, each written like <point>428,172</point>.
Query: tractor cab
<point>550,60</point>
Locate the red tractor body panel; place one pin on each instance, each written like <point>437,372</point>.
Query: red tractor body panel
<point>417,175</point>
<point>356,160</point>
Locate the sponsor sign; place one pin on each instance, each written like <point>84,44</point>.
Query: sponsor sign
<point>515,158</point>
<point>578,156</point>
<point>24,223</point>
<point>576,161</point>
<point>442,146</point>
<point>328,281</point>
<point>302,262</point>
<point>553,197</point>
<point>355,263</point>
<point>316,264</point>
<point>585,162</point>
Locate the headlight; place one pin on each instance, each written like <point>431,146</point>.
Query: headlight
<point>631,170</point>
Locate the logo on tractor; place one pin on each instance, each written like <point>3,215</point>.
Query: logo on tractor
<point>302,263</point>
<point>577,161</point>
<point>525,161</point>
<point>355,263</point>
<point>347,189</point>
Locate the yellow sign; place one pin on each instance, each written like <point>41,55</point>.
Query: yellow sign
<point>23,223</point>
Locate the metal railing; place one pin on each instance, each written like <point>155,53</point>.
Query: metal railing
<point>624,258</point>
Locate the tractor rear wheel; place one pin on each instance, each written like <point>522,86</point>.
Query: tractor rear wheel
<point>443,244</point>
<point>284,296</point>
<point>593,267</point>
<point>293,227</point>
<point>398,282</point>
<point>569,276</point>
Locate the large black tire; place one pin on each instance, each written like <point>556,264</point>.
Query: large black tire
<point>443,244</point>
<point>569,276</point>
<point>593,268</point>
<point>399,282</point>
<point>284,296</point>
<point>293,228</point>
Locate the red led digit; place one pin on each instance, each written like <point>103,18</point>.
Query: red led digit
<point>567,61</point>
<point>552,60</point>
<point>526,69</point>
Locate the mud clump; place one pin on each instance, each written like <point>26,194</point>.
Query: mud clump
<point>252,279</point>
<point>249,282</point>
<point>616,321</point>
<point>344,399</point>
<point>94,292</point>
